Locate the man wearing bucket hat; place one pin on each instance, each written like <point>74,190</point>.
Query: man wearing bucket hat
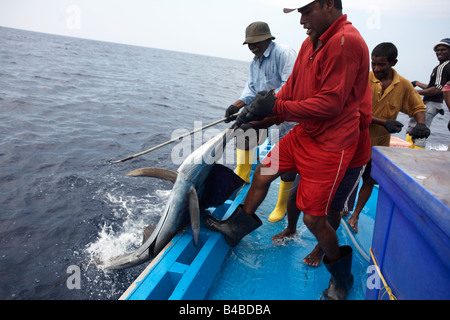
<point>326,95</point>
<point>433,95</point>
<point>270,68</point>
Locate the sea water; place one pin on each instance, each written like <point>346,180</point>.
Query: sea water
<point>68,106</point>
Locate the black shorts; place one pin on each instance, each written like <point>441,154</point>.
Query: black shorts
<point>367,178</point>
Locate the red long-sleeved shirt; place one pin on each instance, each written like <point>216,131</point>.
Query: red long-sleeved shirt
<point>328,91</point>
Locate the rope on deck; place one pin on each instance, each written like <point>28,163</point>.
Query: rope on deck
<point>355,242</point>
<point>386,287</point>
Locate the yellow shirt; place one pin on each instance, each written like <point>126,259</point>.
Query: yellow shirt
<point>400,96</point>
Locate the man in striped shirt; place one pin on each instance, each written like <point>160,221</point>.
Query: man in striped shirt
<point>433,96</point>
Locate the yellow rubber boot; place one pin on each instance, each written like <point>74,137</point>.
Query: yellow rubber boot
<point>409,139</point>
<point>244,164</point>
<point>281,207</point>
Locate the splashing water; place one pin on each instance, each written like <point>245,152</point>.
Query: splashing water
<point>132,215</point>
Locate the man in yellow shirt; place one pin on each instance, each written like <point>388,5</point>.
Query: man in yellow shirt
<point>391,94</point>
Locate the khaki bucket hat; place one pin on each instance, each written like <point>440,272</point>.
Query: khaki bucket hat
<point>257,32</point>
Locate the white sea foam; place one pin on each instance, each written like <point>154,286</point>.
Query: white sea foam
<point>135,214</point>
<point>439,147</point>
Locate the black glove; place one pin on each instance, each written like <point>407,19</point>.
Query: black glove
<point>393,126</point>
<point>420,131</point>
<point>260,108</point>
<point>230,112</point>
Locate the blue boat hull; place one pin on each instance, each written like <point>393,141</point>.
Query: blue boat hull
<point>256,269</point>
<point>408,236</point>
<point>411,243</point>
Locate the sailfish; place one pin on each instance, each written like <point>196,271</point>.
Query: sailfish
<point>199,183</point>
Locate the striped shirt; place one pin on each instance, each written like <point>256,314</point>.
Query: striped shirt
<point>438,79</point>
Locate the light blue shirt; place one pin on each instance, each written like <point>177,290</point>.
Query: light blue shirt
<point>272,71</point>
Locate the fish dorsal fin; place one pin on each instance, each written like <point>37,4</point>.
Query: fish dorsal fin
<point>164,174</point>
<point>221,183</point>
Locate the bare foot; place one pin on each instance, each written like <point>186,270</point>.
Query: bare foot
<point>353,222</point>
<point>314,259</point>
<point>286,233</point>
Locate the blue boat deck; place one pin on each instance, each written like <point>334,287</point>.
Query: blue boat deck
<point>258,269</point>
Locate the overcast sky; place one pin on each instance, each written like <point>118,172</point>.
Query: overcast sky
<point>216,27</point>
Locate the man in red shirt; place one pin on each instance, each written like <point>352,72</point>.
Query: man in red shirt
<point>324,94</point>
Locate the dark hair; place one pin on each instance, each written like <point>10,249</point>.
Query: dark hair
<point>337,3</point>
<point>386,49</point>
